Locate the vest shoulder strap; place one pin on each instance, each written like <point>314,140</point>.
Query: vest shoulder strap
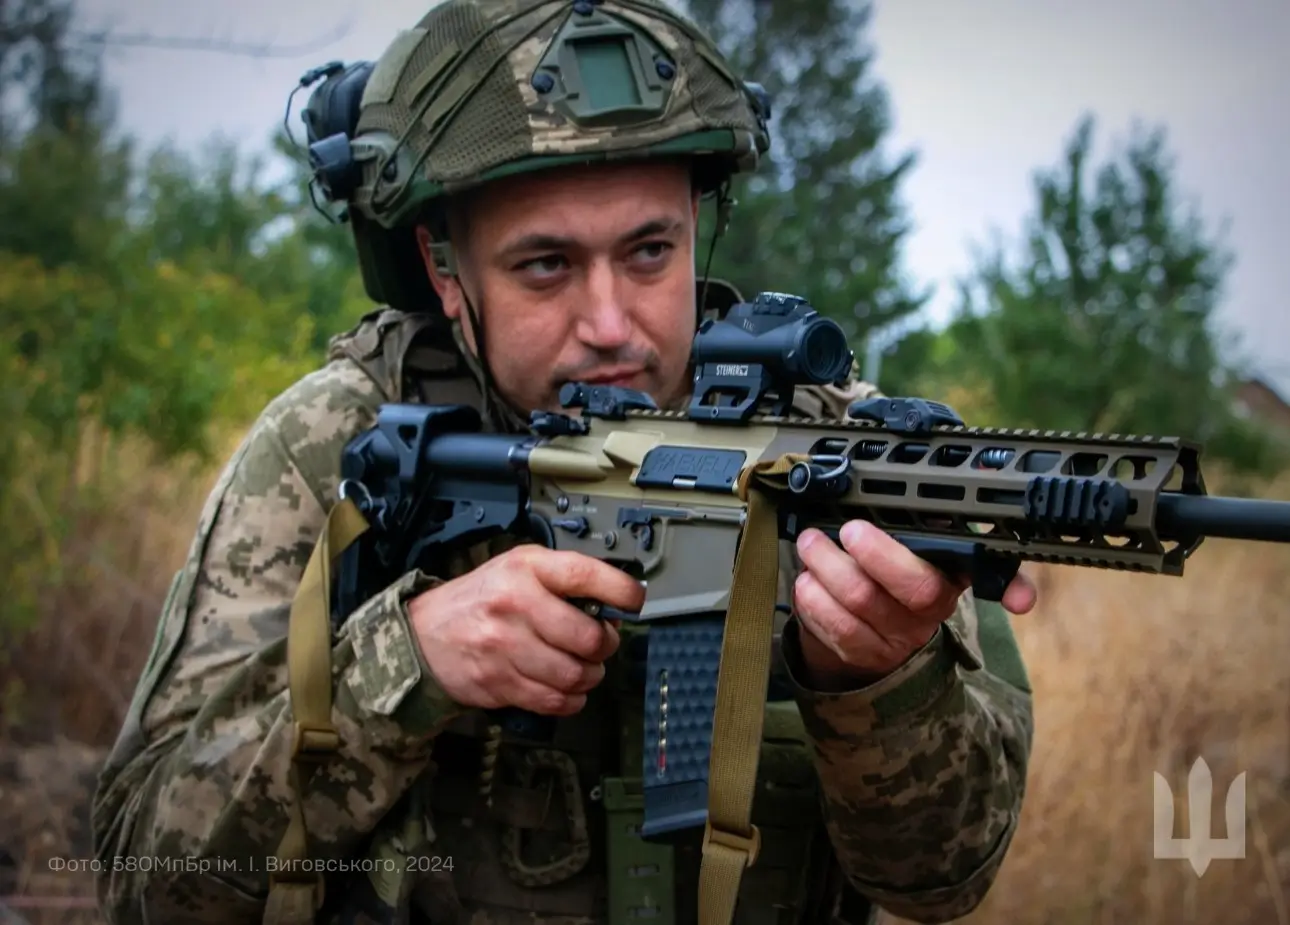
<point>410,357</point>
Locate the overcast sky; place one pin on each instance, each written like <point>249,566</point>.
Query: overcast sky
<point>986,91</point>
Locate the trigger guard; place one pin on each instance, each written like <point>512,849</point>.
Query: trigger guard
<point>540,530</point>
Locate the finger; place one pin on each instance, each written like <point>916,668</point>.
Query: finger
<point>850,638</point>
<point>543,699</point>
<point>832,567</point>
<point>1021,595</point>
<point>611,641</point>
<point>569,629</point>
<point>915,583</point>
<point>493,683</point>
<point>556,669</point>
<point>571,574</point>
<point>894,624</point>
<point>859,595</point>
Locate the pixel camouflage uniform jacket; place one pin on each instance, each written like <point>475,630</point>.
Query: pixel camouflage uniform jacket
<point>921,775</point>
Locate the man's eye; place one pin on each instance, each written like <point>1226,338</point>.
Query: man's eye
<point>552,263</point>
<point>653,250</point>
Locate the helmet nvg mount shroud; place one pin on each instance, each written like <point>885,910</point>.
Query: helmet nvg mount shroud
<point>484,89</point>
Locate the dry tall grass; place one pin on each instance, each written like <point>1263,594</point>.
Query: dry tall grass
<point>1132,674</point>
<point>1137,674</point>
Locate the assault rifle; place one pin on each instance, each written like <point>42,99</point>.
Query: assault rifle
<point>695,503</point>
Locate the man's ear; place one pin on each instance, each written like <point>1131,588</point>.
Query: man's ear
<point>442,270</point>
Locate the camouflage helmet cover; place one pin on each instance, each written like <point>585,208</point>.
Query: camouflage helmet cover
<point>482,89</point>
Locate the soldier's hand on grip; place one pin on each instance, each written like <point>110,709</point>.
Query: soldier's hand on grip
<point>870,604</point>
<point>505,634</point>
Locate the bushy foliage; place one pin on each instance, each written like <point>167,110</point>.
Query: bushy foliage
<point>1104,319</point>
<point>160,296</point>
<point>822,217</point>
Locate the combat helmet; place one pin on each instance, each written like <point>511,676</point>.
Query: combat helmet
<point>484,89</point>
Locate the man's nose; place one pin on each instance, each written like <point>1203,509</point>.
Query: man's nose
<point>604,322</point>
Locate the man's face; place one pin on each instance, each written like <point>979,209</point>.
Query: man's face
<point>582,274</point>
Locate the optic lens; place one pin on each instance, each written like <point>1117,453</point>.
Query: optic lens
<point>823,351</point>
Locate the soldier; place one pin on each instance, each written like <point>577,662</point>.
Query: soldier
<point>523,181</point>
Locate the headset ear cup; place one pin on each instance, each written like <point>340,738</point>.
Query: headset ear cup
<point>333,108</point>
<point>389,260</point>
<point>331,119</point>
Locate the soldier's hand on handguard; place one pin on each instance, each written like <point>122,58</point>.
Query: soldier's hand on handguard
<point>870,604</point>
<point>505,634</point>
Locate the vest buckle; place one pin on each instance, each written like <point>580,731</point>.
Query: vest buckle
<point>579,853</point>
<point>747,845</point>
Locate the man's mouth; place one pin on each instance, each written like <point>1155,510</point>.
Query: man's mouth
<point>618,377</point>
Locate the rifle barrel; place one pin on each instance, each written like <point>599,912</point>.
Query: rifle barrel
<point>1226,518</point>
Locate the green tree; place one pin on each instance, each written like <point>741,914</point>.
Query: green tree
<point>220,213</point>
<point>63,180</point>
<point>822,218</point>
<point>1105,320</point>
<point>140,307</point>
<point>321,246</point>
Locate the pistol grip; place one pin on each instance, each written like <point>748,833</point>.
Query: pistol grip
<point>525,724</point>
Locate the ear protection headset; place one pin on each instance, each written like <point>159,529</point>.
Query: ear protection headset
<point>389,259</point>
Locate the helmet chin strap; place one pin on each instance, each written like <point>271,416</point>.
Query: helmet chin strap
<point>445,262</point>
<point>725,204</point>
<point>481,352</point>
